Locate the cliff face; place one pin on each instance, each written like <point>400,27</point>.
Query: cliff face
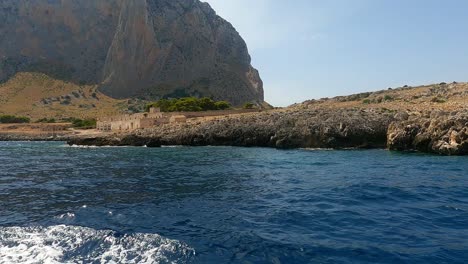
<point>138,48</point>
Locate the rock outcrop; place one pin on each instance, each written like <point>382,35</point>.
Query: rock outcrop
<point>437,132</point>
<point>433,132</point>
<point>279,129</point>
<point>138,48</point>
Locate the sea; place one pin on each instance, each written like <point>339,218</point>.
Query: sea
<point>62,204</point>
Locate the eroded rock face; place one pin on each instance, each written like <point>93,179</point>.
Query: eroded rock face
<point>437,132</point>
<point>138,48</point>
<point>431,132</point>
<point>283,129</point>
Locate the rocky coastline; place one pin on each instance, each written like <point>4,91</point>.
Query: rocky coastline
<point>436,132</point>
<point>20,137</point>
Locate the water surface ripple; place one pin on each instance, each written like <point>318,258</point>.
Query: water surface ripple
<point>230,205</point>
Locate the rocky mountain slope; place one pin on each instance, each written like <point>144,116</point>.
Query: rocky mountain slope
<point>138,48</point>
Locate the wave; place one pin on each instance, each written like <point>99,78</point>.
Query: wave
<point>94,147</point>
<point>74,244</point>
<point>79,146</point>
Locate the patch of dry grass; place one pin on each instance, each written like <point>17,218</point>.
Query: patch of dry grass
<point>37,96</point>
<point>447,97</point>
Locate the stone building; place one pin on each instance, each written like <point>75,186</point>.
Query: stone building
<point>155,117</point>
<point>178,119</point>
<point>133,121</point>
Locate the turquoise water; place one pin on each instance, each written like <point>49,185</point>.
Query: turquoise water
<point>230,205</point>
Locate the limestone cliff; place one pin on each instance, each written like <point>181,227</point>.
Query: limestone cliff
<point>138,48</point>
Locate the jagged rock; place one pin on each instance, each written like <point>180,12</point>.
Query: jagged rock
<point>283,129</point>
<point>127,140</point>
<point>138,48</point>
<point>325,128</point>
<point>440,132</point>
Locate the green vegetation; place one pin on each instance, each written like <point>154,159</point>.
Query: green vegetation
<point>357,97</point>
<point>222,105</point>
<point>81,123</point>
<point>378,100</point>
<point>45,120</point>
<point>10,119</point>
<point>388,98</point>
<point>84,124</point>
<point>439,100</point>
<point>248,106</point>
<point>189,104</point>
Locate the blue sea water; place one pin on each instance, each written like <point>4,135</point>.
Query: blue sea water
<point>61,204</point>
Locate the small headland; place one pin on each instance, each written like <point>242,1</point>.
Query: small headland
<point>431,119</point>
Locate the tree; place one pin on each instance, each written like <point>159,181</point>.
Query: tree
<point>207,104</point>
<point>189,104</point>
<point>222,105</point>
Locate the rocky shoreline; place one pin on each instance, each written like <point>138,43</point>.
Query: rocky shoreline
<point>26,137</point>
<point>437,132</point>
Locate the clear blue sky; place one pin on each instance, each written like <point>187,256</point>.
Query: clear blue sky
<point>307,49</point>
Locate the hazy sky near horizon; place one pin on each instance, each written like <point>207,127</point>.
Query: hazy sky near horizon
<point>307,49</point>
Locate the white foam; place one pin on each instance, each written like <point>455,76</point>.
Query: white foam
<point>73,244</point>
<point>81,146</point>
<point>94,147</point>
<point>66,216</point>
<point>318,149</point>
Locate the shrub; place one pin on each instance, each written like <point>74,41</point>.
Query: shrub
<point>207,104</point>
<point>388,98</point>
<point>45,120</point>
<point>189,104</point>
<point>10,119</point>
<point>366,101</point>
<point>438,100</point>
<point>82,123</point>
<point>248,106</point>
<point>222,105</point>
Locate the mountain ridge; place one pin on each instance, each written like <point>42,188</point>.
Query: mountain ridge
<point>142,48</point>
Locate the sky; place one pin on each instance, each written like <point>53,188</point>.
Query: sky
<point>310,49</point>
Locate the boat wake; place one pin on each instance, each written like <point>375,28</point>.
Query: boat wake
<point>73,244</point>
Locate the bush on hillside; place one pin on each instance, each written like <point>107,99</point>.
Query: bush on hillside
<point>439,100</point>
<point>248,106</point>
<point>46,120</point>
<point>388,98</point>
<point>10,119</point>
